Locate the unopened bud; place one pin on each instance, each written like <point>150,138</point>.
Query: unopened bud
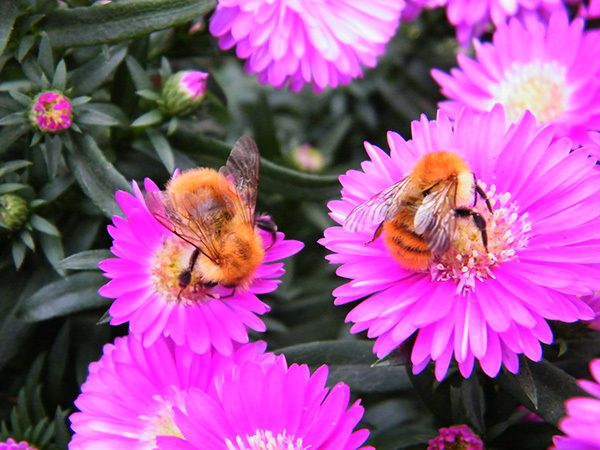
<point>51,112</point>
<point>307,158</point>
<point>183,92</point>
<point>14,211</point>
<point>11,444</point>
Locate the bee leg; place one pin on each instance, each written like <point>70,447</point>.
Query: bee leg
<point>478,220</point>
<point>377,233</point>
<point>267,224</point>
<point>483,195</point>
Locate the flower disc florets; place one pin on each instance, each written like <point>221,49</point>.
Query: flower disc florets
<point>51,112</point>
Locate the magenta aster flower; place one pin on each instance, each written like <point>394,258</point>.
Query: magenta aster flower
<point>11,444</point>
<point>129,395</point>
<point>269,406</point>
<point>456,437</point>
<point>145,283</point>
<point>51,112</point>
<point>471,304</point>
<point>582,422</point>
<point>324,42</point>
<point>555,76</point>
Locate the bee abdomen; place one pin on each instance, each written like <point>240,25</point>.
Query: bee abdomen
<point>406,246</point>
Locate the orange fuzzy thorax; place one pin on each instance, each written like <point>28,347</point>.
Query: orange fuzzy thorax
<point>236,241</point>
<point>438,166</point>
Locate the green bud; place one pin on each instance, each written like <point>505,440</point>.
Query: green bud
<point>14,211</point>
<point>183,92</point>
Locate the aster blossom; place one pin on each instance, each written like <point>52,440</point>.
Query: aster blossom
<point>322,42</point>
<point>472,304</point>
<point>582,420</point>
<point>555,76</point>
<point>131,391</point>
<point>269,406</point>
<point>145,283</point>
<point>459,437</point>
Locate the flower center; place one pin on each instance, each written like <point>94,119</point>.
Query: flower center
<point>171,274</point>
<point>467,259</point>
<point>539,87</point>
<point>162,422</point>
<point>265,440</point>
<point>52,112</point>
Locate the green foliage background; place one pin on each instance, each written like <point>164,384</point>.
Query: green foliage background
<point>111,59</point>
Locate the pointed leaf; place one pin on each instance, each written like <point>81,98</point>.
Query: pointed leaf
<point>163,149</point>
<point>44,226</point>
<point>150,118</point>
<point>115,22</point>
<point>87,260</point>
<point>8,14</point>
<point>90,76</point>
<point>45,57</point>
<point>96,175</point>
<point>69,295</point>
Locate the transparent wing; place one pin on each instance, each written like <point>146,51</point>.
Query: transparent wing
<point>378,208</point>
<point>435,219</point>
<point>196,221</point>
<point>242,169</point>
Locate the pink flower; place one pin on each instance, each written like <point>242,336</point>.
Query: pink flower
<point>456,437</point>
<point>130,393</point>
<point>51,112</point>
<point>582,422</point>
<point>593,302</point>
<point>322,42</point>
<point>269,406</point>
<point>471,304</point>
<point>145,284</point>
<point>555,76</point>
<point>10,444</point>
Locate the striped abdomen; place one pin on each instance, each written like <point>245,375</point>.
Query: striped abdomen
<point>406,246</point>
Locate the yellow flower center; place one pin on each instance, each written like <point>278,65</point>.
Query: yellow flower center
<point>265,440</point>
<point>539,87</point>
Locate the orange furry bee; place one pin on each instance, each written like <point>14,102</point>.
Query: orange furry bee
<point>418,214</point>
<point>214,211</point>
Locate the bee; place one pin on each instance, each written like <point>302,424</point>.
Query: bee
<point>214,211</point>
<point>418,214</point>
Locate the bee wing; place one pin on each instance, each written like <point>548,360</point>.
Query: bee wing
<point>378,208</point>
<point>242,169</point>
<point>192,219</point>
<point>435,219</point>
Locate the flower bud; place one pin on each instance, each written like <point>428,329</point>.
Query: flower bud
<point>11,444</point>
<point>51,112</point>
<point>183,92</point>
<point>456,437</point>
<point>14,212</point>
<point>307,158</point>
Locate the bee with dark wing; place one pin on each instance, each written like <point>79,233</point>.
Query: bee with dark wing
<point>418,214</point>
<point>214,211</point>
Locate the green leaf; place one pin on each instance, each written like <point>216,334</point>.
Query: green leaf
<point>542,387</point>
<point>5,188</point>
<point>53,249</point>
<point>8,14</point>
<point>13,166</point>
<point>138,75</point>
<point>57,361</point>
<point>90,76</point>
<point>18,253</point>
<point>59,80</point>
<point>96,175</point>
<point>43,226</point>
<point>27,239</point>
<point>23,99</point>
<point>75,293</point>
<point>101,114</point>
<point>150,118</point>
<point>116,22</point>
<point>87,260</point>
<point>9,135</point>
<point>349,361</point>
<point>273,177</point>
<point>163,149</point>
<point>148,94</point>
<point>55,188</point>
<point>25,45</point>
<point>16,118</point>
<point>45,57</point>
